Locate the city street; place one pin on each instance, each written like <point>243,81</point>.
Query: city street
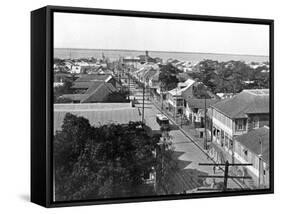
<point>186,153</point>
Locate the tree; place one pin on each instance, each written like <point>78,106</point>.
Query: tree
<point>168,77</point>
<point>102,162</point>
<point>230,76</point>
<point>166,165</point>
<point>200,92</point>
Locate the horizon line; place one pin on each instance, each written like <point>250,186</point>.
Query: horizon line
<point>109,49</point>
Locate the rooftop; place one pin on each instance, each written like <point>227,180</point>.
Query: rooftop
<point>247,102</point>
<point>92,86</point>
<point>150,73</point>
<point>92,77</point>
<point>97,91</point>
<point>182,87</point>
<point>96,115</point>
<point>257,141</point>
<point>258,92</point>
<point>84,85</point>
<point>90,106</point>
<point>74,97</point>
<point>200,103</point>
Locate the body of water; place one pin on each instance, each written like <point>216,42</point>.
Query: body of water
<point>66,53</point>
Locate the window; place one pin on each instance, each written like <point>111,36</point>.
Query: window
<point>240,125</point>
<point>179,102</point>
<point>256,122</point>
<point>180,111</point>
<point>146,175</point>
<point>245,151</point>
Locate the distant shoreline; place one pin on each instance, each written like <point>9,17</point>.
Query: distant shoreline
<point>155,51</point>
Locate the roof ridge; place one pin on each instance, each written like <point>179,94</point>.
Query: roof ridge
<point>107,86</point>
<point>91,93</point>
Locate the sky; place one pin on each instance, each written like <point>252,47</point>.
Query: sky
<point>134,33</point>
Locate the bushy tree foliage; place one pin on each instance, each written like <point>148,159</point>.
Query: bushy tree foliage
<point>231,76</point>
<point>102,162</point>
<point>168,77</point>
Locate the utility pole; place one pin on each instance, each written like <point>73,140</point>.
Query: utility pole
<point>260,157</point>
<point>161,93</point>
<point>226,175</point>
<point>129,84</point>
<point>181,119</point>
<point>143,104</point>
<point>205,125</point>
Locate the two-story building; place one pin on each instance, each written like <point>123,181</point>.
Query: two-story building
<point>175,98</point>
<point>253,147</point>
<point>238,115</point>
<point>195,109</point>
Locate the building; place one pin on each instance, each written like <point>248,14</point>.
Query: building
<point>148,76</point>
<point>225,95</point>
<point>238,115</point>
<point>92,89</point>
<point>75,69</point>
<point>195,109</point>
<point>175,97</point>
<point>148,59</point>
<point>61,78</point>
<point>96,92</point>
<point>253,147</point>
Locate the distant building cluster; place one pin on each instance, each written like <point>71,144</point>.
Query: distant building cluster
<point>90,88</point>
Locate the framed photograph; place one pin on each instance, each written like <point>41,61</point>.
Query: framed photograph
<point>132,106</point>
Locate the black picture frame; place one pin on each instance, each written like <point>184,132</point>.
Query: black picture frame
<point>42,103</point>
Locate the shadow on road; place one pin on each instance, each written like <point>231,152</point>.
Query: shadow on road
<point>182,179</point>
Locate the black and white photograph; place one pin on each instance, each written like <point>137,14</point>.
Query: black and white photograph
<point>148,107</point>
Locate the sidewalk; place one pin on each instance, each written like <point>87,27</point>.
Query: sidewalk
<point>192,134</point>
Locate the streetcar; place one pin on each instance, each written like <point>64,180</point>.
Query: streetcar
<point>162,120</point>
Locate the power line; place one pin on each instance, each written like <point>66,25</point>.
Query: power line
<point>226,173</point>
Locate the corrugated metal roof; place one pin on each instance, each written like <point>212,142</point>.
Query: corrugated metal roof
<point>90,77</point>
<point>100,117</point>
<point>74,97</point>
<point>84,85</point>
<point>90,106</point>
